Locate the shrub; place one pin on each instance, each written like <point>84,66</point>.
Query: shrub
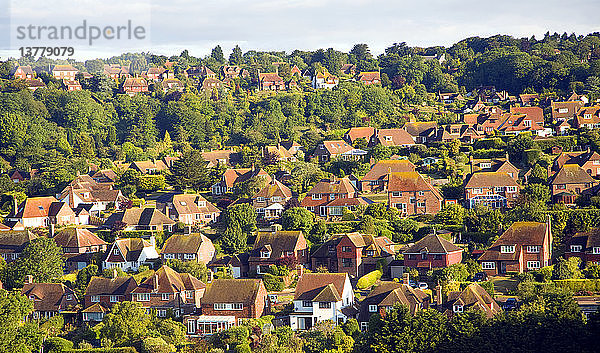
<point>273,283</point>
<point>156,345</point>
<point>104,350</point>
<point>57,344</point>
<point>577,285</point>
<point>592,271</point>
<point>369,279</point>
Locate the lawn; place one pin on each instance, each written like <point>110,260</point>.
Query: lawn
<point>504,284</point>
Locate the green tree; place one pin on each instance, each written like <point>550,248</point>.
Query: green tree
<point>13,308</point>
<point>127,322</point>
<point>190,171</point>
<point>297,218</point>
<point>217,54</point>
<point>451,214</point>
<point>236,56</point>
<point>194,268</point>
<point>567,269</point>
<point>41,258</point>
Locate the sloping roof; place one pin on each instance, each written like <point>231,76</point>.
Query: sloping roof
<point>34,207</point>
<point>166,280</point>
<point>420,128</point>
<point>48,296</point>
<point>369,76</point>
<point>337,147</point>
<point>192,204</point>
<point>383,167</point>
<point>410,181</point>
<point>336,186</point>
<point>432,243</point>
<point>131,248</point>
<point>394,137</point>
<point>15,240</point>
<point>572,174</point>
<point>232,291</point>
<point>280,243</point>
<point>76,238</point>
<point>365,132</point>
<point>139,216</point>
<point>110,286</point>
<point>239,175</point>
<point>519,233</point>
<point>490,179</point>
<point>184,243</point>
<point>473,296</point>
<point>317,285</point>
<point>274,188</point>
<point>388,293</point>
<point>63,68</point>
<point>269,77</point>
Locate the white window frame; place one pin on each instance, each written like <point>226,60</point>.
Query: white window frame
<point>488,265</point>
<point>165,296</point>
<point>396,193</point>
<point>533,265</point>
<point>507,249</point>
<point>372,308</point>
<point>533,249</point>
<point>114,298</point>
<point>95,299</point>
<point>458,308</point>
<point>143,297</point>
<point>576,248</point>
<point>596,250</point>
<point>316,196</point>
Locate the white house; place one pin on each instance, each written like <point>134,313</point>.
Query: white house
<point>320,297</point>
<point>324,80</point>
<point>129,254</point>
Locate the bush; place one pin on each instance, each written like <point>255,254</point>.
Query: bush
<point>577,285</point>
<point>104,350</point>
<point>273,283</point>
<point>57,344</point>
<point>592,271</point>
<point>156,345</point>
<point>369,279</point>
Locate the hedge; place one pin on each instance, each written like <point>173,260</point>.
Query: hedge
<point>369,279</point>
<point>104,350</point>
<point>576,285</point>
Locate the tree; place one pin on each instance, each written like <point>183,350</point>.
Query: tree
<point>242,216</point>
<point>217,54</point>
<point>41,258</point>
<point>567,269</point>
<point>236,56</point>
<point>127,322</point>
<point>537,192</point>
<point>297,218</point>
<point>451,214</point>
<point>194,268</point>
<point>13,308</point>
<point>190,171</point>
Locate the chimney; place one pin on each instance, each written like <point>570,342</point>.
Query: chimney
<point>155,283</point>
<point>114,272</point>
<point>406,278</point>
<point>299,270</point>
<point>28,279</point>
<point>15,205</point>
<point>438,295</point>
<point>152,241</point>
<point>471,163</point>
<point>550,240</point>
<point>507,157</point>
<point>167,210</point>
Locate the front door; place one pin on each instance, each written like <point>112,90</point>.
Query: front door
<point>502,267</point>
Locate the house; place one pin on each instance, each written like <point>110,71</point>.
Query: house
<point>392,137</point>
<point>369,78</point>
<point>421,131</point>
<point>570,181</point>
<point>71,85</point>
<point>348,69</point>
<point>42,211</point>
<point>174,84</point>
<point>586,246</point>
<point>292,146</point>
<point>449,98</point>
<point>473,297</point>
<point>278,153</point>
<point>588,117</point>
<point>362,132</point>
<point>493,189</point>
<point>129,254</point>
<point>326,191</point>
<point>564,111</point>
<point>18,176</point>
<point>271,247</point>
<point>140,219</point>
<point>105,176</point>
<point>524,246</point>
<point>527,100</point>
<point>78,246</point>
<point>191,209</point>
<point>34,84</point>
<point>12,243</point>
<point>295,71</point>
<point>499,165</point>
<point>116,71</point>
<point>411,194</point>
<point>385,295</point>
<point>188,247</point>
<point>169,293</point>
<point>354,253</point>
<point>23,73</point>
<point>102,293</point>
<point>85,191</point>
<point>241,298</point>
<point>135,85</point>
<point>328,150</point>
<point>324,80</point>
<point>220,157</point>
<point>432,251</point>
<point>237,265</point>
<point>231,177</point>
<point>578,97</point>
<point>587,160</point>
<point>64,72</point>
<point>155,73</point>
<point>50,299</point>
<point>525,119</point>
<point>269,202</point>
<point>149,167</point>
<point>211,83</point>
<point>320,297</point>
<point>270,82</point>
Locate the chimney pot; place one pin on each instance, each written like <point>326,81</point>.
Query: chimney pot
<point>300,270</point>
<point>406,278</point>
<point>155,283</point>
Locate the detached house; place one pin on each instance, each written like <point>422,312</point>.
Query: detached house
<point>50,299</point>
<point>188,247</point>
<point>493,189</point>
<point>564,111</point>
<point>239,175</point>
<point>12,243</point>
<point>392,137</point>
<point>369,78</point>
<point>64,72</point>
<point>78,245</point>
<point>324,80</point>
<point>269,202</point>
<point>326,191</point>
<point>449,98</point>
<point>525,246</point>
<point>320,297</point>
<point>129,254</point>
<point>421,131</point>
<point>102,293</point>
<point>149,167</point>
<point>411,194</point>
<point>240,298</point>
<point>271,247</point>
<point>191,209</point>
<point>270,82</point>
<point>23,73</point>
<point>588,117</point>
<point>473,297</point>
<point>377,178</point>
<point>431,252</point>
<point>364,132</point>
<point>169,292</point>
<point>588,160</point>
<point>42,211</point>
<point>354,253</point>
<point>328,150</point>
<point>140,219</point>
<point>135,85</point>
<point>385,295</point>
<point>586,246</point>
<point>568,184</point>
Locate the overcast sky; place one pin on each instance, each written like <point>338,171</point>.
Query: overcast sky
<point>174,25</point>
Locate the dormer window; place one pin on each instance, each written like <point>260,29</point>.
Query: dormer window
<point>265,254</point>
<point>576,248</point>
<point>563,110</point>
<point>316,196</point>
<point>507,249</point>
<point>587,116</point>
<point>457,308</point>
<point>596,250</point>
<point>115,251</point>
<point>485,165</point>
<point>372,308</point>
<point>183,203</point>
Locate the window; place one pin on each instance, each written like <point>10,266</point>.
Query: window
<point>457,308</point>
<point>563,110</point>
<point>316,196</point>
<point>347,262</point>
<point>165,296</point>
<point>114,298</point>
<point>421,193</point>
<point>527,123</point>
<point>143,297</point>
<point>370,253</point>
<point>332,196</point>
<point>69,297</point>
<point>488,265</point>
<point>265,254</point>
<point>276,199</point>
<point>534,249</point>
<point>533,265</point>
<point>477,191</point>
<point>421,204</point>
<point>189,256</point>
<point>498,189</point>
<point>169,256</point>
<point>260,199</point>
<point>396,193</point>
<point>507,249</point>
<point>388,138</point>
<point>95,298</point>
<point>413,200</point>
<point>485,165</point>
<point>228,306</point>
<point>324,305</point>
<point>576,248</point>
<point>372,308</point>
<point>346,249</point>
<point>511,189</point>
<point>306,303</point>
<point>161,313</point>
<point>115,251</point>
<point>189,294</point>
<point>596,250</point>
<point>191,326</point>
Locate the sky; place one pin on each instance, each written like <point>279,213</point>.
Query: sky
<point>173,25</point>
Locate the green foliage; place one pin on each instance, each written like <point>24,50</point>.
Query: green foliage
<point>451,214</point>
<point>592,271</point>
<point>57,345</point>
<point>190,172</point>
<point>369,279</point>
<point>297,218</point>
<point>194,268</point>
<point>273,283</point>
<point>41,258</point>
<point>156,345</point>
<point>578,285</point>
<point>126,323</point>
<point>13,308</point>
<point>567,269</point>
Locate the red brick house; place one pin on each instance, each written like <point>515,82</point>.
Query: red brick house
<point>392,137</point>
<point>474,297</point>
<point>79,245</point>
<point>269,202</point>
<point>588,160</point>
<point>188,247</point>
<point>325,191</point>
<point>364,132</point>
<point>432,251</point>
<point>270,82</point>
<point>570,181</point>
<point>237,175</point>
<point>377,178</point>
<point>369,78</point>
<point>168,291</point>
<point>135,85</point>
<point>102,293</point>
<point>23,73</point>
<point>564,111</point>
<point>588,117</point>
<point>12,243</point>
<point>586,246</point>
<point>241,298</point>
<point>493,189</point>
<point>271,247</point>
<point>354,253</point>
<point>527,100</point>
<point>62,72</point>
<point>525,246</point>
<point>191,209</point>
<point>50,299</point>
<point>411,194</point>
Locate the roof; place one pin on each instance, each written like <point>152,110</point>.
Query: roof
<point>519,233</point>
<point>166,280</point>
<point>383,167</point>
<point>63,68</point>
<point>274,188</point>
<point>365,132</point>
<point>432,243</point>
<point>13,241</point>
<point>184,243</point>
<point>130,248</point>
<point>490,179</point>
<point>388,293</point>
<point>337,147</point>
<point>588,240</point>
<point>34,207</point>
<point>110,286</point>
<point>269,77</point>
<point>134,82</point>
<point>192,204</point>
<point>48,296</point>
<point>327,287</point>
<point>280,243</point>
<point>420,128</point>
<point>572,174</point>
<point>335,186</point>
<point>394,137</point>
<point>232,291</point>
<point>474,296</point>
<point>239,175</point>
<point>410,181</point>
<point>77,238</point>
<point>369,76</point>
<point>139,216</point>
